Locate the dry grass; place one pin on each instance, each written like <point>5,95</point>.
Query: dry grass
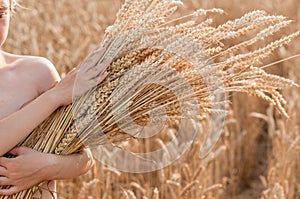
<point>257,154</point>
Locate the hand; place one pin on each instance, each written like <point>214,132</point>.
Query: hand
<point>77,82</point>
<point>91,73</point>
<point>26,169</point>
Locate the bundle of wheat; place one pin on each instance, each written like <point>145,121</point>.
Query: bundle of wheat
<point>164,72</point>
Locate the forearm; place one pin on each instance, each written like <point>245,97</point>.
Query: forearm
<point>30,167</point>
<point>19,124</point>
<point>69,166</point>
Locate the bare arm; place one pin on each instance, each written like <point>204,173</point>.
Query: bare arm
<point>69,166</point>
<point>19,124</point>
<point>30,167</point>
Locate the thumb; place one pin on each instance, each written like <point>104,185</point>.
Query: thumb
<point>7,192</point>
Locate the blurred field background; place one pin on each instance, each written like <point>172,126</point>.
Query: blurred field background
<point>258,155</point>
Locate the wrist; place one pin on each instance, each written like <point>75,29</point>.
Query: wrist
<point>51,171</point>
<point>53,97</point>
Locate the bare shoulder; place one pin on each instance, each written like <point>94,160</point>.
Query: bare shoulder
<point>39,70</point>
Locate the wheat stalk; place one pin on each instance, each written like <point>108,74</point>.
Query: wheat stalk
<point>156,62</point>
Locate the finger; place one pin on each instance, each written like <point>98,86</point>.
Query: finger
<point>102,77</point>
<point>101,50</point>
<point>105,63</point>
<point>4,181</point>
<point>99,69</point>
<point>10,191</point>
<point>92,60</point>
<point>99,79</point>
<point>95,81</point>
<point>92,73</point>
<point>4,161</point>
<point>3,171</point>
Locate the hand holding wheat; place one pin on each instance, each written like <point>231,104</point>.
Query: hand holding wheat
<point>90,72</point>
<point>80,80</point>
<point>159,66</point>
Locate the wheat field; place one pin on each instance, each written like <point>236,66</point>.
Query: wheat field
<point>258,153</point>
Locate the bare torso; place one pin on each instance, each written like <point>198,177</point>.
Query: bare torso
<point>18,86</point>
